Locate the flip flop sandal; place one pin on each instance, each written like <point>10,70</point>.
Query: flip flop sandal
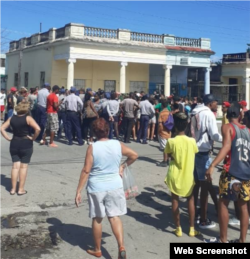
<point>12,193</point>
<point>20,194</point>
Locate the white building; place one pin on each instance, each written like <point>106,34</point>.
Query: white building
<point>111,59</point>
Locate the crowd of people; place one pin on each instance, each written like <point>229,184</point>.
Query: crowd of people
<point>185,129</point>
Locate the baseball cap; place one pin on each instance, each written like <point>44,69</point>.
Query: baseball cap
<point>209,98</point>
<point>243,103</point>
<point>62,91</point>
<point>227,104</point>
<point>46,84</point>
<point>13,89</point>
<point>89,90</point>
<point>73,89</point>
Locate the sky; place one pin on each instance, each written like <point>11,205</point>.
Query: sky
<point>226,23</point>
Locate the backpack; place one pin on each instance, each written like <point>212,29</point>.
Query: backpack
<point>193,126</point>
<point>169,123</point>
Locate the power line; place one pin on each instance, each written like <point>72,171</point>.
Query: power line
<point>216,4</point>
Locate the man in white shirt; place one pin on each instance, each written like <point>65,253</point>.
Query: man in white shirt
<point>2,100</point>
<point>204,126</point>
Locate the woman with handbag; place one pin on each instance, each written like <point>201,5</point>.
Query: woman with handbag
<point>102,172</point>
<point>90,115</point>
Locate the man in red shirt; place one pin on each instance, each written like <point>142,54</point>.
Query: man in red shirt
<point>52,124</point>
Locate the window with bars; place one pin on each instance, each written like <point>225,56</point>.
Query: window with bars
<point>79,83</point>
<point>137,86</point>
<point>16,79</point>
<point>2,62</point>
<point>26,79</point>
<point>109,85</point>
<point>42,78</point>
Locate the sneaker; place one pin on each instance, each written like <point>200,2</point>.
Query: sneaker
<point>194,233</point>
<point>207,224</point>
<point>213,240</point>
<point>162,164</point>
<point>177,232</point>
<point>41,142</point>
<point>234,221</point>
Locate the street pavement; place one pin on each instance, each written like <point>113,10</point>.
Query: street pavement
<point>54,228</point>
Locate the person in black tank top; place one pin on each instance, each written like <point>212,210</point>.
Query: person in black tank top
<point>235,178</point>
<point>21,144</point>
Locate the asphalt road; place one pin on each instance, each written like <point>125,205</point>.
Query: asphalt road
<point>47,214</point>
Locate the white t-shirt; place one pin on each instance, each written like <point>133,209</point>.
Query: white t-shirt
<point>2,98</point>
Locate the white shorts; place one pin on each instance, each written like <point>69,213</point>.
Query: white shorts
<point>153,120</point>
<point>110,203</point>
<point>163,142</point>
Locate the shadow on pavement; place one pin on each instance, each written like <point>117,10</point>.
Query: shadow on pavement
<point>6,182</point>
<point>148,159</point>
<point>75,235</point>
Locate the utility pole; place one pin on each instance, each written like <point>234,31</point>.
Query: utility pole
<point>40,27</point>
<point>20,67</point>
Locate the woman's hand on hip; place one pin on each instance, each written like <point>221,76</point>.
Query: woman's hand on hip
<point>78,199</point>
<point>121,171</point>
<point>29,137</point>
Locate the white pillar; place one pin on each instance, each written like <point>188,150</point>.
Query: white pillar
<point>248,92</point>
<point>123,77</point>
<point>167,80</point>
<point>207,81</point>
<point>70,77</point>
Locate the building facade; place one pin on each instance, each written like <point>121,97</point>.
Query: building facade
<point>3,71</point>
<point>118,60</point>
<point>236,76</point>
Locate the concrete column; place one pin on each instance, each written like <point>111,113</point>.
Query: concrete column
<point>207,81</point>
<point>70,77</point>
<point>167,80</point>
<point>248,92</point>
<point>123,77</point>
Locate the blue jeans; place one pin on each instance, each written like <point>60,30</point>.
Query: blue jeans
<point>143,131</point>
<point>41,117</point>
<point>200,166</point>
<point>62,123</point>
<point>10,113</point>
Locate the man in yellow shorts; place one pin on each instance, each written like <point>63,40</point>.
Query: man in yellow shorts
<point>234,181</point>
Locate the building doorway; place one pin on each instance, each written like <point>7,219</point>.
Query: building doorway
<point>233,90</point>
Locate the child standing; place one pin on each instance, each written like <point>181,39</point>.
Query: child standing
<point>180,177</point>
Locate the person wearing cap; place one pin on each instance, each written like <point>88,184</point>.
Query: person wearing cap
<point>52,124</point>
<point>234,183</point>
<point>73,105</point>
<point>243,105</point>
<point>2,102</point>
<point>147,112</point>
<point>11,101</point>
<point>204,127</point>
<point>225,106</point>
<point>41,115</point>
<point>62,113</point>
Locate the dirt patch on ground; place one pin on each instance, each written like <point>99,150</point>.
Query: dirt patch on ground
<point>25,236</point>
